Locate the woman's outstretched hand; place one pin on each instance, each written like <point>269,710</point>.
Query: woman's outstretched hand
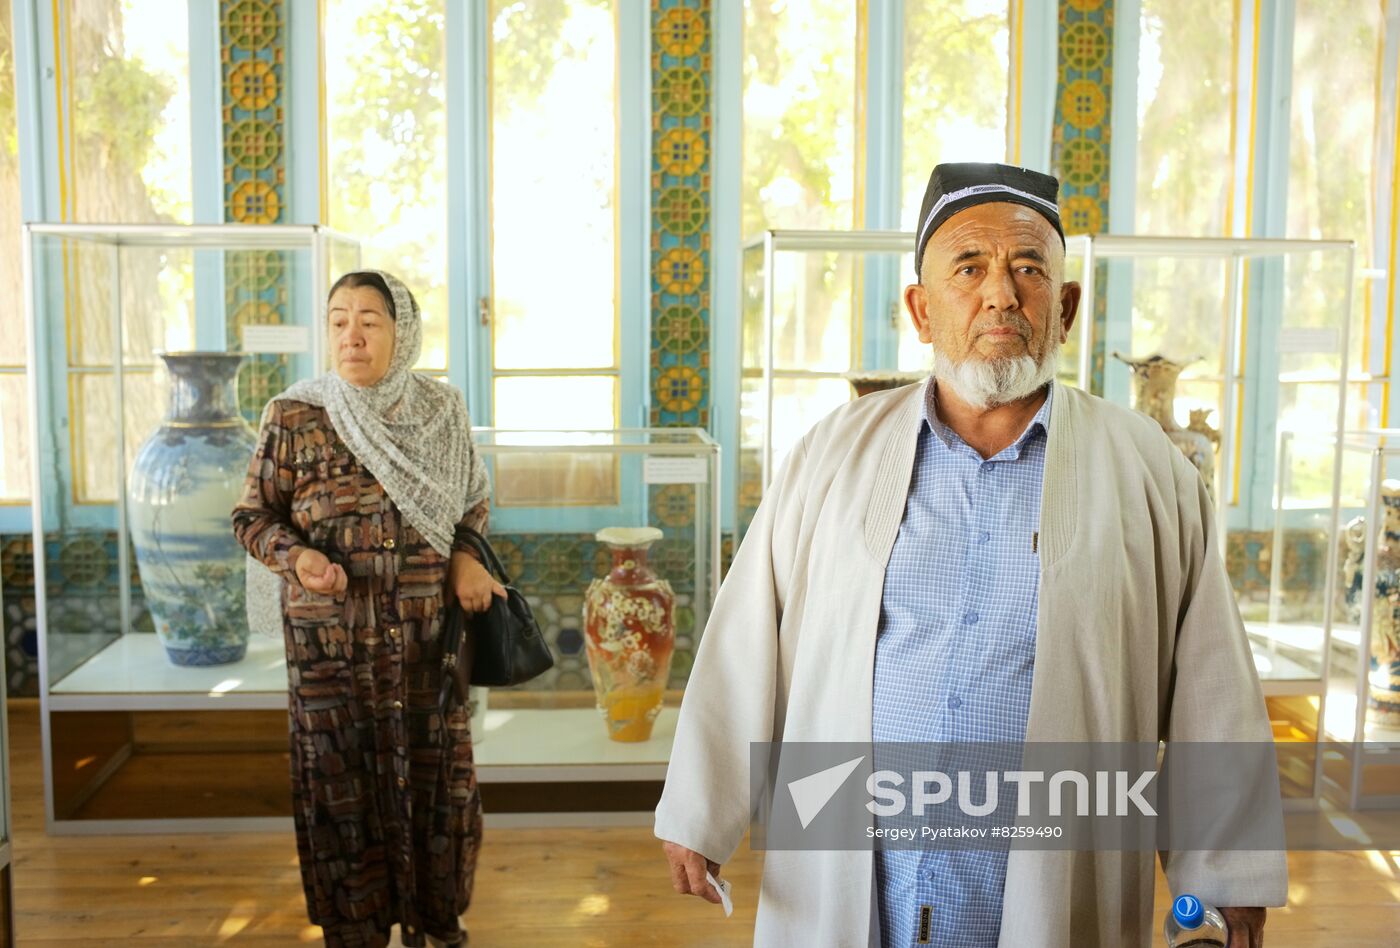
<point>471,583</point>
<point>318,574</point>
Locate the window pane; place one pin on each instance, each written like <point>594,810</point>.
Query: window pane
<point>386,130</point>
<point>800,130</point>
<point>1332,141</point>
<point>553,181</point>
<point>812,316</point>
<point>955,89</point>
<point>95,428</point>
<point>543,402</point>
<point>14,438</point>
<point>1185,90</point>
<point>14,390</point>
<point>12,329</point>
<point>129,68</point>
<point>1179,310</point>
<point>1336,78</point>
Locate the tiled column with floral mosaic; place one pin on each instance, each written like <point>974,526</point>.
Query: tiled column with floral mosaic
<point>681,77</point>
<point>1080,147</point>
<point>253,42</point>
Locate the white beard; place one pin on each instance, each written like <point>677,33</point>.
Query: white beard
<point>987,383</point>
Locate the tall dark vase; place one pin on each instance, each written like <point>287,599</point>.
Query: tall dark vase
<point>187,477</point>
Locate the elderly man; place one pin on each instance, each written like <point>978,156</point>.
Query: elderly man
<point>988,556</point>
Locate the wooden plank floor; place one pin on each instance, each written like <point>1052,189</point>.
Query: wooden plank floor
<point>601,888</point>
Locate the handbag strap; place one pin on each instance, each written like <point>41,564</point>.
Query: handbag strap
<point>488,555</point>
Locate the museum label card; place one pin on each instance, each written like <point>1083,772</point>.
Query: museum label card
<point>276,339</point>
<point>673,470</point>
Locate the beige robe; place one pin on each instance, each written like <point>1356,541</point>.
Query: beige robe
<point>1138,639</point>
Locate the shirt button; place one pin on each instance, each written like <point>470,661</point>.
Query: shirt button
<point>389,543</point>
<point>989,466</point>
<point>955,702</point>
<point>983,537</point>
<point>970,619</point>
<point>926,874</point>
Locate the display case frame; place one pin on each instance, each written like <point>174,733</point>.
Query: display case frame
<point>99,715</point>
<point>116,676</point>
<point>1251,274</point>
<point>1360,762</point>
<point>666,477</point>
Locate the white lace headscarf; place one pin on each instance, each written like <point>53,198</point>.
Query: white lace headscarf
<point>411,432</point>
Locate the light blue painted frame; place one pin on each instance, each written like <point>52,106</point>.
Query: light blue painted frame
<point>726,294</point>
<point>36,181</point>
<point>884,106</point>
<point>468,203</point>
<point>1263,301</point>
<point>206,177</point>
<point>1122,188</point>
<point>1034,79</point>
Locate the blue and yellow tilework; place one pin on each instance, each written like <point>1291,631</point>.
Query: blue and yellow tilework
<point>253,42</point>
<point>680,213</point>
<point>1082,131</point>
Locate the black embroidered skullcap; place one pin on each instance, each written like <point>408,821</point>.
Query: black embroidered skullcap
<point>956,187</point>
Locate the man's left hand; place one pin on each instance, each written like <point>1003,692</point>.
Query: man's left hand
<point>1246,926</point>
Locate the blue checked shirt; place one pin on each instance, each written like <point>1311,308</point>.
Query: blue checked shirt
<point>955,654</point>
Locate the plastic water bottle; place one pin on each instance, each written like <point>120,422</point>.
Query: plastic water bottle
<point>1193,924</point>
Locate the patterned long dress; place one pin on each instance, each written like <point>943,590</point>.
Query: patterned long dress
<point>388,819</point>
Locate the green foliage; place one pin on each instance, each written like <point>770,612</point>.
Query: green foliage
<point>1184,156</point>
<point>118,103</point>
<point>806,140</point>
<point>527,40</point>
<point>396,99</point>
<point>9,131</point>
<point>951,64</point>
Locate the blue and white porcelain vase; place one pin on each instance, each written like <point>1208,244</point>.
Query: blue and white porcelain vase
<point>186,479</point>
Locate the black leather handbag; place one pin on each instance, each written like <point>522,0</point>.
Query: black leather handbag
<point>499,647</point>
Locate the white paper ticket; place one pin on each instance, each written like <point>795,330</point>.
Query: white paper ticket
<point>723,887</point>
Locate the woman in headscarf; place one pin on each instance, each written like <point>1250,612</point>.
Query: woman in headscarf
<point>361,480</point>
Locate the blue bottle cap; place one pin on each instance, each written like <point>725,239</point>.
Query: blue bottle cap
<point>1188,911</point>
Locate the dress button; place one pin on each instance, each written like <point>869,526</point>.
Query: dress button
<point>393,632</point>
<point>955,702</point>
<point>389,543</point>
<point>408,929</point>
<point>970,619</point>
<point>402,783</point>
<point>398,705</point>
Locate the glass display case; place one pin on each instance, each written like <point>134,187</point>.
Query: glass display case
<point>1360,708</point>
<point>1260,357</point>
<point>161,712</point>
<point>153,348</point>
<point>560,499</point>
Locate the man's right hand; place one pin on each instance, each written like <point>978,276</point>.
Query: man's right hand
<point>318,574</point>
<point>688,870</point>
